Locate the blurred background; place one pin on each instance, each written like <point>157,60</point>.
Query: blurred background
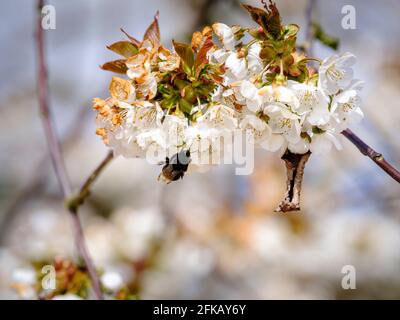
<point>212,235</point>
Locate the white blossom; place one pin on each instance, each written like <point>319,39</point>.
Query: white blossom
<point>225,34</point>
<point>347,105</point>
<point>322,142</point>
<point>112,281</point>
<point>257,130</point>
<point>335,72</point>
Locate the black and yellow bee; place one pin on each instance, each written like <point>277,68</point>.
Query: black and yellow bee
<point>175,167</point>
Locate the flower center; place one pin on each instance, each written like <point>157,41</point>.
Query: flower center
<point>334,73</point>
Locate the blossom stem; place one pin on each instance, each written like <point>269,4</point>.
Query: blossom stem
<point>55,150</point>
<point>281,67</point>
<point>375,156</point>
<point>247,46</point>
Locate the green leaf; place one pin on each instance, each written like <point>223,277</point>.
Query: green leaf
<point>291,30</point>
<point>238,32</point>
<point>256,33</point>
<point>124,48</point>
<point>117,66</point>
<point>267,53</point>
<point>185,106</point>
<point>324,38</point>
<point>190,94</point>
<point>185,52</point>
<point>180,84</point>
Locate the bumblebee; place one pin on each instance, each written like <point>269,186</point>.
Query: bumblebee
<point>175,167</point>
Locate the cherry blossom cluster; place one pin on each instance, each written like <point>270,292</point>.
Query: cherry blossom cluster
<point>255,80</point>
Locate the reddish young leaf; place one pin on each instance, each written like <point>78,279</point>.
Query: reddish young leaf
<point>274,21</point>
<point>132,39</point>
<point>258,15</point>
<point>217,78</point>
<point>269,20</point>
<point>153,31</point>
<point>117,66</point>
<point>201,59</point>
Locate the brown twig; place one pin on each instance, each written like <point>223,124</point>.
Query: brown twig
<point>74,202</point>
<point>376,157</point>
<point>55,152</point>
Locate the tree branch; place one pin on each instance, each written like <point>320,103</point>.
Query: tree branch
<point>376,157</point>
<point>55,151</point>
<point>74,202</point>
<point>295,164</point>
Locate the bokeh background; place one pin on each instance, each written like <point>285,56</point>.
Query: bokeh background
<point>211,235</point>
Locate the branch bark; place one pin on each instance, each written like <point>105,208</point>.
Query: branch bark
<point>56,154</point>
<point>295,164</point>
<point>376,157</point>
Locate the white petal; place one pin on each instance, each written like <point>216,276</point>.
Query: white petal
<point>300,147</point>
<point>320,145</point>
<point>273,143</point>
<point>248,90</point>
<point>236,66</point>
<point>225,34</point>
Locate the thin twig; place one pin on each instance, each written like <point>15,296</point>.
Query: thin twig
<point>74,202</point>
<point>55,152</point>
<point>376,157</point>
